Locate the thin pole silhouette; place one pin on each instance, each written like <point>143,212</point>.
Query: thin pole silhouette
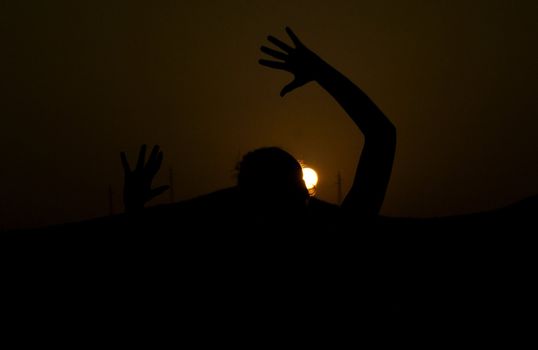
<point>339,188</point>
<point>171,181</point>
<point>111,200</point>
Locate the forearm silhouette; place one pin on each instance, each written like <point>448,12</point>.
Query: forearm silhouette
<point>375,165</point>
<point>137,189</point>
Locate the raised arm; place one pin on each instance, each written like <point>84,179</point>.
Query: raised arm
<point>375,165</point>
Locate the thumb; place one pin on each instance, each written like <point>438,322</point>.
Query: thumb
<point>157,191</point>
<point>290,87</point>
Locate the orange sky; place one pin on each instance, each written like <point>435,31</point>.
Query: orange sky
<point>80,83</point>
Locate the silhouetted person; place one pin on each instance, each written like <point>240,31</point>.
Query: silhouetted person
<point>270,184</point>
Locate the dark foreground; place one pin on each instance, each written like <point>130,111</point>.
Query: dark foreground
<point>202,271</point>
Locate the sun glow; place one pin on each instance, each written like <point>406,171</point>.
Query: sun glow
<point>310,178</point>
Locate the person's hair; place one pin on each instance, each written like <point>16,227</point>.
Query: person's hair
<point>271,172</point>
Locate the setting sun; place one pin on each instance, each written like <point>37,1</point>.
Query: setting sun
<point>310,178</point>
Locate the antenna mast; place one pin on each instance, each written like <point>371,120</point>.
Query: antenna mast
<point>339,188</point>
<point>171,180</point>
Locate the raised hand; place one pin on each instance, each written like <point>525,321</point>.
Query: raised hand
<point>137,186</point>
<point>299,61</point>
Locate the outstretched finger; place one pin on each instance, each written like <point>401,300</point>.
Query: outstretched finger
<point>141,158</point>
<point>125,163</point>
<point>276,54</point>
<point>274,64</point>
<point>293,37</point>
<point>280,44</point>
<point>153,156</point>
<point>154,152</point>
<point>158,162</point>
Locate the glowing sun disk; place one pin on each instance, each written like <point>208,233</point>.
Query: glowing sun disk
<point>310,178</point>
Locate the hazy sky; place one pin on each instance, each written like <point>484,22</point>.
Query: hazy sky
<point>83,80</point>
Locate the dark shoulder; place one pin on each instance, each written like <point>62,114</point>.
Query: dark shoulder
<point>321,206</point>
<point>323,215</point>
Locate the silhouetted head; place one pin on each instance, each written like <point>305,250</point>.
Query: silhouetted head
<point>272,179</point>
